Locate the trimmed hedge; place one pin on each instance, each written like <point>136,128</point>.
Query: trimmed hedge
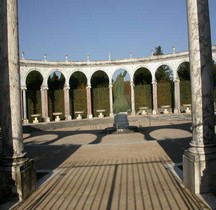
<point>78,101</point>
<point>165,94</point>
<point>56,103</point>
<point>185,92</point>
<point>100,100</point>
<point>143,96</point>
<point>33,98</point>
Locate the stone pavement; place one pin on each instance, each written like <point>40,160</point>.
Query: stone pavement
<point>89,169</point>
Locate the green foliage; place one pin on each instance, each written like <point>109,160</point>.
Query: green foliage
<point>185,87</point>
<point>34,103</point>
<point>78,80</point>
<point>165,94</point>
<point>143,96</point>
<point>34,81</point>
<point>164,74</point>
<point>100,100</point>
<point>184,71</point>
<point>142,76</point>
<point>56,82</point>
<point>78,101</point>
<point>99,79</point>
<point>56,102</point>
<point>158,51</point>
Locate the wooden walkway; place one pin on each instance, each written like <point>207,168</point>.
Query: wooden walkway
<point>109,179</point>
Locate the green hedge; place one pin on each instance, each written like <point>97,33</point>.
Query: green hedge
<point>143,96</point>
<point>56,103</point>
<point>33,103</point>
<point>165,94</point>
<point>100,100</point>
<point>185,92</point>
<point>78,101</point>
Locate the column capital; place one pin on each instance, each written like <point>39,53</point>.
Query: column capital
<point>132,84</point>
<point>67,87</point>
<point>154,82</point>
<point>176,80</point>
<point>24,87</point>
<point>88,87</point>
<point>44,87</point>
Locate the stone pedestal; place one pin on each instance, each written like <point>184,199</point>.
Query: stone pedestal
<point>199,171</point>
<point>121,121</point>
<point>19,179</point>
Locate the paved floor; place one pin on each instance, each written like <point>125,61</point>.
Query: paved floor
<point>89,169</point>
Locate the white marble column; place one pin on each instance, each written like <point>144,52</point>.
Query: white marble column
<point>155,99</point>
<point>111,99</point>
<point>177,95</point>
<point>199,161</point>
<point>89,102</point>
<point>16,169</point>
<point>44,103</point>
<point>133,112</point>
<point>67,103</point>
<point>11,121</point>
<point>24,104</point>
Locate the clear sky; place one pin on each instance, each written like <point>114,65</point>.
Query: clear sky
<point>100,27</point>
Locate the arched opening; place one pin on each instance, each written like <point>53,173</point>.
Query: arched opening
<point>34,81</point>
<point>143,89</point>
<point>165,90</point>
<point>185,84</point>
<point>100,93</point>
<point>78,98</point>
<point>56,83</point>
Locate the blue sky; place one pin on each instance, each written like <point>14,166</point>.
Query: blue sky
<point>100,27</point>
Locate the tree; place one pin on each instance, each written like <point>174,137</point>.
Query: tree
<point>184,71</point>
<point>164,74</point>
<point>158,51</point>
<point>142,76</point>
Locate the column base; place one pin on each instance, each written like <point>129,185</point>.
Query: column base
<point>68,117</point>
<point>25,121</point>
<point>18,180</point>
<point>111,115</point>
<point>90,116</point>
<point>176,111</point>
<point>154,112</point>
<point>47,119</point>
<point>199,171</point>
<point>133,113</point>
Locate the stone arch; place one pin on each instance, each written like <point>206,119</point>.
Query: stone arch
<point>32,70</point>
<point>142,88</point>
<point>78,97</point>
<point>165,88</point>
<point>33,82</point>
<point>56,82</point>
<point>100,92</point>
<point>185,84</point>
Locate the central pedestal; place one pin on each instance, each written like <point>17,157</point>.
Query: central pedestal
<point>121,121</point>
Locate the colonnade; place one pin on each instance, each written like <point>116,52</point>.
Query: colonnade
<point>67,106</point>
